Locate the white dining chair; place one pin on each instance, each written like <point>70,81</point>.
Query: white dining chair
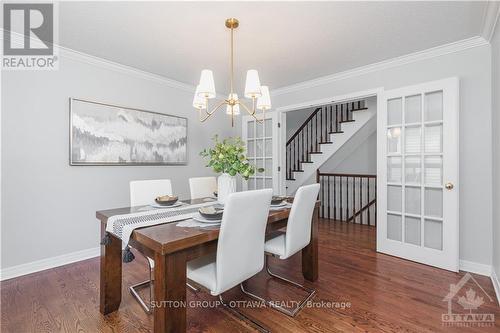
<point>143,192</point>
<point>202,187</point>
<point>240,248</point>
<point>296,237</point>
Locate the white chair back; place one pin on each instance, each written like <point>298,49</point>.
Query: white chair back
<point>202,187</point>
<point>298,229</point>
<point>143,192</point>
<point>240,249</point>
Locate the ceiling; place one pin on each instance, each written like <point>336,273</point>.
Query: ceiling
<point>288,42</point>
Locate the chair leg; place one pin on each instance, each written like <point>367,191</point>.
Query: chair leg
<point>134,289</point>
<point>234,310</point>
<point>291,313</point>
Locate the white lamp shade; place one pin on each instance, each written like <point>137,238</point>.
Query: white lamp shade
<point>252,85</point>
<point>199,101</point>
<point>207,85</point>
<point>264,101</point>
<point>236,107</point>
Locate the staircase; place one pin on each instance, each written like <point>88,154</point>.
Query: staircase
<point>327,129</point>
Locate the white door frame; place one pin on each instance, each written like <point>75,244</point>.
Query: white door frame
<point>282,110</point>
<point>448,258</point>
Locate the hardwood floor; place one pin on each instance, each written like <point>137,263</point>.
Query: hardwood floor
<point>385,294</point>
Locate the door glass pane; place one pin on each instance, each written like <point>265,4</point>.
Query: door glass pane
<point>251,183</point>
<point>250,129</point>
<point>433,106</point>
<point>394,140</point>
<point>433,170</point>
<point>413,109</point>
<point>394,198</point>
<point>412,140</point>
<point>412,230</point>
<point>433,234</point>
<point>412,200</point>
<point>433,206</point>
<point>412,169</point>
<point>433,138</point>
<point>250,148</point>
<point>269,127</point>
<point>394,169</point>
<point>259,130</point>
<point>259,164</point>
<point>269,183</point>
<point>394,228</point>
<point>394,110</point>
<point>269,147</point>
<point>259,147</point>
<point>260,183</point>
<point>269,167</point>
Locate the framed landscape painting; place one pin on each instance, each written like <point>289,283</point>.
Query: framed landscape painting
<point>104,134</point>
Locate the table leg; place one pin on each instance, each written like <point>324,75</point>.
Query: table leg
<point>111,274</point>
<point>169,305</point>
<point>310,252</point>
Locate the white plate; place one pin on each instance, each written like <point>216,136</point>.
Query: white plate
<point>177,204</point>
<point>201,219</point>
<point>283,203</point>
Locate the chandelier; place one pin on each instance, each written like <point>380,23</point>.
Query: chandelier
<point>205,90</point>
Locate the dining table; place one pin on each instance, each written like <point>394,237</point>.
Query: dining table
<point>171,247</point>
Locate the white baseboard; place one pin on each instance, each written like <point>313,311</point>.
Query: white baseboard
<point>40,265</point>
<point>496,284</point>
<point>474,267</point>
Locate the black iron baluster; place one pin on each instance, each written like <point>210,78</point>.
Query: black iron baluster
<point>360,200</point>
<point>335,198</point>
<point>328,196</point>
<point>341,201</point>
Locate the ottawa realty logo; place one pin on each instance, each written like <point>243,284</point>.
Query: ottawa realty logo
<point>29,35</point>
<point>464,305</point>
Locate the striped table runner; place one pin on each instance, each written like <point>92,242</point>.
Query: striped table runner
<point>122,226</point>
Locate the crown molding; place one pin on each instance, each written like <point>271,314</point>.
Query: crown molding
<point>124,69</point>
<point>385,64</point>
<point>65,52</point>
<point>490,19</point>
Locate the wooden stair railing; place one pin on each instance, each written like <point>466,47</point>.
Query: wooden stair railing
<point>348,197</point>
<point>315,131</point>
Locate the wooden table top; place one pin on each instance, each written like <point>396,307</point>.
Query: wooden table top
<point>168,237</point>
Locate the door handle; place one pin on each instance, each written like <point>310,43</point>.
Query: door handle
<point>449,186</point>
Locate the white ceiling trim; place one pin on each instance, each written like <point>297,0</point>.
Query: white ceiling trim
<point>390,63</point>
<point>18,39</point>
<point>124,69</point>
<point>491,14</point>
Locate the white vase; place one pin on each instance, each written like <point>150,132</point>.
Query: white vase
<point>226,184</point>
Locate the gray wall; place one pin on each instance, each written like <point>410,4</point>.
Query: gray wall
<point>362,160</point>
<point>473,67</point>
<point>295,119</point>
<point>50,205</point>
<point>495,42</point>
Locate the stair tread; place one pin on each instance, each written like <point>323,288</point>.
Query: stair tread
<point>306,162</point>
<point>347,121</point>
<point>315,152</point>
<point>297,170</point>
<point>359,109</point>
<point>290,179</point>
<point>325,142</point>
<point>336,132</point>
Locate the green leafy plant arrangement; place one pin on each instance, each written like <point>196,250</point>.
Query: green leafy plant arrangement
<point>228,156</point>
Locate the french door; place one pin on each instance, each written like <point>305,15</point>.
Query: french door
<point>417,170</point>
<point>262,151</point>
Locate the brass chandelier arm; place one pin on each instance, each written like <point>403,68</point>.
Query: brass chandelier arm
<point>252,113</point>
<point>209,114</point>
